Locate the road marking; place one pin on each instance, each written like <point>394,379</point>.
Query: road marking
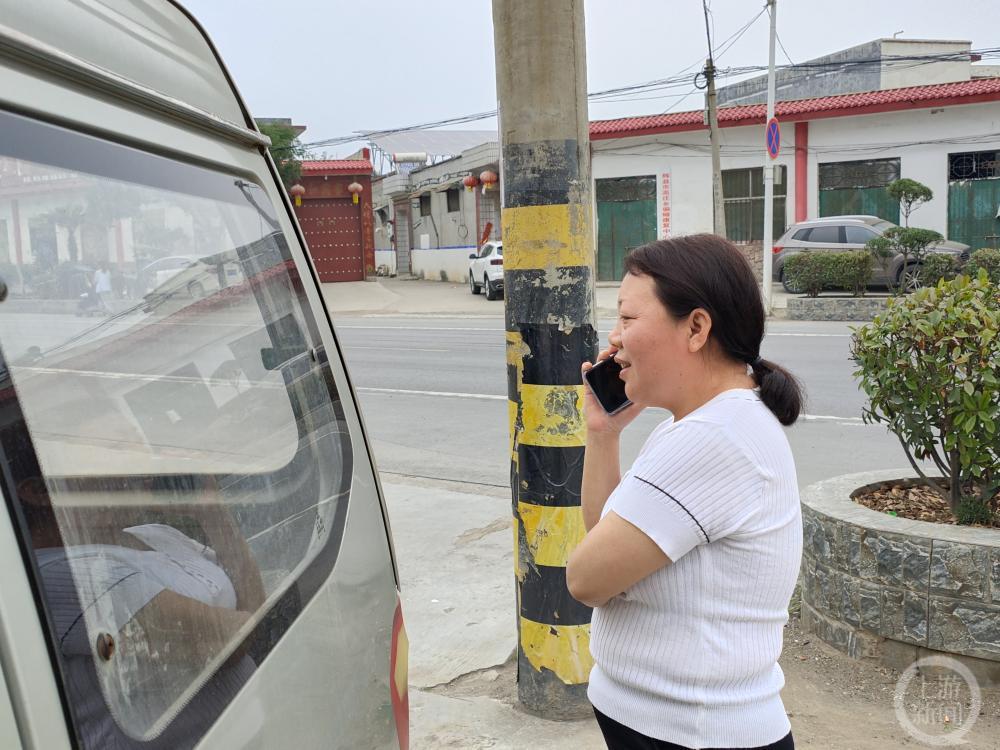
<point>413,328</point>
<point>397,349</point>
<point>445,394</point>
<point>491,397</point>
<point>500,330</point>
<point>814,335</point>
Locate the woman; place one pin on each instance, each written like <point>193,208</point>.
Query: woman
<point>691,558</point>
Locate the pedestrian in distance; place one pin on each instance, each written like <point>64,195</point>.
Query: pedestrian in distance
<point>690,559</point>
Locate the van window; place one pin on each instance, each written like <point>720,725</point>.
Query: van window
<point>174,440</point>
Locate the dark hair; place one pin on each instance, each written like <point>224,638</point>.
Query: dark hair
<point>707,271</point>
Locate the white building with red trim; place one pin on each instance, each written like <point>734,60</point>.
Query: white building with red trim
<point>837,154</point>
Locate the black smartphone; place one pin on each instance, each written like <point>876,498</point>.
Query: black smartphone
<point>607,386</point>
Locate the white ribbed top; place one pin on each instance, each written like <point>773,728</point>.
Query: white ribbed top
<point>689,654</point>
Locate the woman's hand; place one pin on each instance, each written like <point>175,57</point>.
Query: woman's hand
<point>598,421</point>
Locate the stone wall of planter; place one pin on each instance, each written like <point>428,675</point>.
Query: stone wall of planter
<point>834,308</point>
<point>879,586</point>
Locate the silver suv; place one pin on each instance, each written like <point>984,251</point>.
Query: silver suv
<point>842,233</point>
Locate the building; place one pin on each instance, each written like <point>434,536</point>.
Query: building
<point>338,232</point>
<point>852,122</point>
<point>427,221</point>
<point>874,66</point>
<point>837,155</point>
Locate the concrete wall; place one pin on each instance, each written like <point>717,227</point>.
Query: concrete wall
<point>453,262</point>
<point>844,139</point>
<point>902,73</point>
<point>685,157</point>
<point>798,84</point>
<point>386,258</point>
<point>443,228</point>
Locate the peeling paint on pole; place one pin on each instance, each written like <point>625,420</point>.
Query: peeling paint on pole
<point>550,321</point>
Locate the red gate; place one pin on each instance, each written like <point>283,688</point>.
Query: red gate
<point>332,228</point>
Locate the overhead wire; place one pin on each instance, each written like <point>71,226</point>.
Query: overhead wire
<point>679,81</point>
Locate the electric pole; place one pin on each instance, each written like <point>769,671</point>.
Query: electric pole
<point>769,166</point>
<point>548,232</point>
<point>718,206</point>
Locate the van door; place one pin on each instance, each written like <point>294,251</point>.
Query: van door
<point>179,470</point>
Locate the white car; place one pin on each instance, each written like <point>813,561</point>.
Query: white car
<point>162,270</point>
<point>486,270</point>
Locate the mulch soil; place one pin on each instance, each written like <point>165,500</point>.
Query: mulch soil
<point>919,503</point>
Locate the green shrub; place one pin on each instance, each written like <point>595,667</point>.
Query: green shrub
<point>930,366</point>
<point>937,266</point>
<point>814,272</point>
<point>852,271</point>
<point>987,259</point>
<point>974,510</point>
<point>807,272</point>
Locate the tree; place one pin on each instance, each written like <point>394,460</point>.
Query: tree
<point>929,366</point>
<point>286,150</point>
<point>912,244</point>
<point>910,195</point>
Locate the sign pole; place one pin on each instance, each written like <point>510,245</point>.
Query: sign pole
<point>772,143</point>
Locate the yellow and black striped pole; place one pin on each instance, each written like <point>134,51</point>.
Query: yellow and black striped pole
<point>547,224</point>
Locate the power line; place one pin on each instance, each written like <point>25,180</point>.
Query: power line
<point>680,81</point>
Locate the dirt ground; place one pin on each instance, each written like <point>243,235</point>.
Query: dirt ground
<point>833,702</point>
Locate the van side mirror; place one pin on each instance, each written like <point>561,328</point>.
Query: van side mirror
<point>472,256</point>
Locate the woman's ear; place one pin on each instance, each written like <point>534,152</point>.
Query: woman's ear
<point>699,328</point>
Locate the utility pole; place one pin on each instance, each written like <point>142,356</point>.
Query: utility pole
<point>548,233</point>
<point>768,240</point>
<point>718,206</point>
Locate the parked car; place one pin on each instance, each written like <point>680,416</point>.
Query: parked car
<point>161,270</point>
<point>842,233</point>
<point>486,270</point>
<point>195,544</point>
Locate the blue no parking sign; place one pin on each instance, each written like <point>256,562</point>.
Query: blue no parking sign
<point>773,136</point>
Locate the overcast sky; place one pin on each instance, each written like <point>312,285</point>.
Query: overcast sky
<point>339,66</point>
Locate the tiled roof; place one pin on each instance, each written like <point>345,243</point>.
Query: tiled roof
<point>339,166</point>
<point>941,94</point>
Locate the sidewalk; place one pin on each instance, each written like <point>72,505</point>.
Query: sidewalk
<point>455,553</point>
<point>386,296</point>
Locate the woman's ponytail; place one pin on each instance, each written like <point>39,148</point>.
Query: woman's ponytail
<point>779,390</point>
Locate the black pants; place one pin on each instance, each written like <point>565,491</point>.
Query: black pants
<point>620,737</point>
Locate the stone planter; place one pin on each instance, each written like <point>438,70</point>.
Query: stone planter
<point>878,586</point>
<point>835,308</point>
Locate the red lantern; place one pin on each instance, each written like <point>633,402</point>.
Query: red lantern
<point>297,191</point>
<point>470,182</point>
<point>354,188</point>
<point>488,178</point>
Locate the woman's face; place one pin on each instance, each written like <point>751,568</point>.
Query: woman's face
<point>654,349</point>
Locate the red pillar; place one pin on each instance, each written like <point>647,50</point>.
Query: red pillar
<point>801,171</point>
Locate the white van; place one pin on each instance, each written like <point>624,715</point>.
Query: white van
<point>195,551</point>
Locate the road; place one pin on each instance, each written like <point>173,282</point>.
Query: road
<point>434,389</point>
<point>433,393</point>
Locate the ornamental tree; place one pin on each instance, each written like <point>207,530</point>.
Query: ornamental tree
<point>930,366</point>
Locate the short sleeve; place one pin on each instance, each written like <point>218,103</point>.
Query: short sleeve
<point>92,594</point>
<point>694,485</point>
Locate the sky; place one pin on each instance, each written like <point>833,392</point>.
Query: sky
<point>339,66</point>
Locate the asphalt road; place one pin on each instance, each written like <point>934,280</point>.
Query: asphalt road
<point>433,393</point>
<point>433,390</point>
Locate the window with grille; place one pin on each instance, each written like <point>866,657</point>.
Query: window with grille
<point>743,191</point>
<point>453,200</point>
<point>974,165</point>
